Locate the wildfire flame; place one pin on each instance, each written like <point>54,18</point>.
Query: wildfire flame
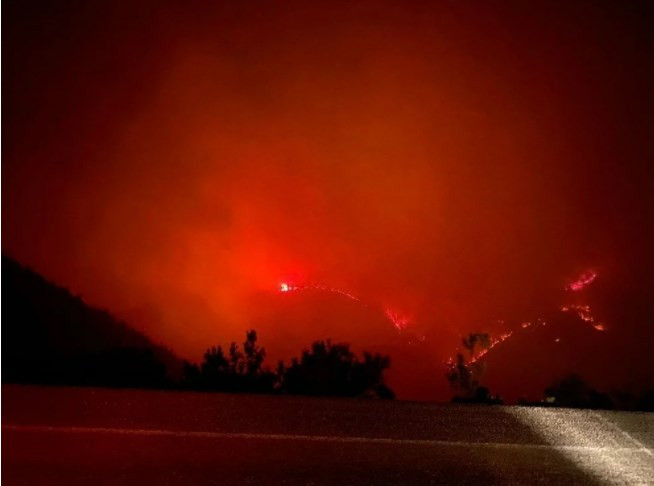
<point>402,321</point>
<point>286,287</point>
<point>583,311</point>
<point>582,281</point>
<point>494,342</point>
<point>399,320</point>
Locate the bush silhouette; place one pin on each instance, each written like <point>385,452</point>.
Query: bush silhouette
<point>236,372</point>
<point>326,369</point>
<point>332,369</point>
<point>572,391</point>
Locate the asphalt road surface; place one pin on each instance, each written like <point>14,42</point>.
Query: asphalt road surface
<point>98,436</point>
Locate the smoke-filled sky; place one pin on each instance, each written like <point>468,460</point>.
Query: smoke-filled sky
<point>458,161</point>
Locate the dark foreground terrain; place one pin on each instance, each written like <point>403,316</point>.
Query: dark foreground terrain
<point>102,436</point>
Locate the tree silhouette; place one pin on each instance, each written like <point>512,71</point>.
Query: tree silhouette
<point>464,374</point>
<point>477,338</point>
<point>460,376</point>
<point>332,369</point>
<point>215,368</point>
<point>254,355</point>
<point>237,372</point>
<point>326,369</point>
<point>572,391</point>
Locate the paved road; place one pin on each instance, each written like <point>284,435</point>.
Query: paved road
<point>97,436</point>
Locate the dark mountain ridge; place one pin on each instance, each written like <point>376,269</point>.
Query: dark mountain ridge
<point>51,336</point>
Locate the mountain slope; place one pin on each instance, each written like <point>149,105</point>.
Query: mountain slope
<point>534,358</point>
<point>52,336</point>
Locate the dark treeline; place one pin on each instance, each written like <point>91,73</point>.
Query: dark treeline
<point>465,374</point>
<point>50,336</point>
<point>572,391</point>
<point>326,369</point>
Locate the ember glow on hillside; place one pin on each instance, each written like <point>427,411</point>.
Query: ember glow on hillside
<point>399,320</point>
<point>285,287</point>
<point>194,167</point>
<point>583,281</point>
<point>581,311</point>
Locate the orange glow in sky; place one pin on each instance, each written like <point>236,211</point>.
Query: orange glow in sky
<point>453,161</point>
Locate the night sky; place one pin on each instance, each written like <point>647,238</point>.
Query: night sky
<point>459,164</point>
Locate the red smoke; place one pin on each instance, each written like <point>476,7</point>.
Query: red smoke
<point>452,163</point>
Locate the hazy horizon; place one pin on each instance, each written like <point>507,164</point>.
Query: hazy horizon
<point>457,165</point>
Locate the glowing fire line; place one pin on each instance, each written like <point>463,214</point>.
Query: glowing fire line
<point>584,280</point>
<point>583,311</point>
<point>286,287</point>
<point>399,320</point>
<point>494,342</point>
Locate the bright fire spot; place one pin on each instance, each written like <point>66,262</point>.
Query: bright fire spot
<point>284,287</point>
<point>400,321</point>
<point>599,327</point>
<point>583,281</point>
